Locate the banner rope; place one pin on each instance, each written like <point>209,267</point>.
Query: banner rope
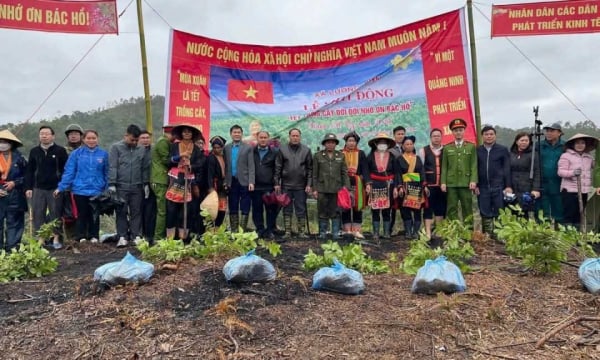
<point>554,85</point>
<point>61,82</point>
<point>158,14</point>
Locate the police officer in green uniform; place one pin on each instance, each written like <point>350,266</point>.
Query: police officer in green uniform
<point>459,172</point>
<point>330,174</point>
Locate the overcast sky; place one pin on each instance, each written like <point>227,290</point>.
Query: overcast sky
<point>33,63</point>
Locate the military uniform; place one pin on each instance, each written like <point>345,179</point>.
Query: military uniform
<point>459,168</point>
<point>330,174</point>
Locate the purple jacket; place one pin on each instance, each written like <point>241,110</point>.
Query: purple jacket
<point>568,162</point>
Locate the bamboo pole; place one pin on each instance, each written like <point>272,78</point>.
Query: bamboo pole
<point>474,71</point>
<point>144,67</point>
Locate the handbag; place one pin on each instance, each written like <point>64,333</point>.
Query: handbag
<point>344,201</point>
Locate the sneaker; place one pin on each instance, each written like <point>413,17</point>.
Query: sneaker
<point>138,240</point>
<point>82,240</point>
<point>122,242</point>
<point>94,240</point>
<point>358,235</point>
<point>57,246</point>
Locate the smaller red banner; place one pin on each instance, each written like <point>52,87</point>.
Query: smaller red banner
<point>260,92</point>
<point>81,17</point>
<point>546,18</point>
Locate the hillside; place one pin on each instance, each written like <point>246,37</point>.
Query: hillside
<point>111,122</point>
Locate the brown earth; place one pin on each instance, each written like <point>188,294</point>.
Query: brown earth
<point>192,313</point>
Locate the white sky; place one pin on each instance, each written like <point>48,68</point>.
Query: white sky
<point>33,63</point>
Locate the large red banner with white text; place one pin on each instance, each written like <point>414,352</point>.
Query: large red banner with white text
<point>82,17</point>
<point>415,75</point>
<point>546,18</point>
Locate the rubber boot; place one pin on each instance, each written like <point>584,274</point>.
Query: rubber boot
<point>287,225</point>
<point>234,223</point>
<point>323,227</point>
<point>302,229</point>
<point>416,229</point>
<point>386,230</point>
<point>487,226</point>
<point>375,230</point>
<point>408,229</point>
<point>244,222</point>
<point>335,229</point>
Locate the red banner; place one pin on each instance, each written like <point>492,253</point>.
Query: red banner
<point>415,75</point>
<point>546,18</point>
<point>82,17</point>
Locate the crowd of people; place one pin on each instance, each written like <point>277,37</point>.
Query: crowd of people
<point>161,187</point>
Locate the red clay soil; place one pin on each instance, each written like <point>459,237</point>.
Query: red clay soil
<point>192,313</point>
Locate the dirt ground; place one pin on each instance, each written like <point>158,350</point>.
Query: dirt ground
<point>192,313</point>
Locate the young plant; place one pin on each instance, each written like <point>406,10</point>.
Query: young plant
<point>167,250</point>
<point>352,256</point>
<point>456,247</point>
<point>30,259</point>
<point>540,247</point>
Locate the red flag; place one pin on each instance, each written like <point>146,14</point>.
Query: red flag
<point>260,92</point>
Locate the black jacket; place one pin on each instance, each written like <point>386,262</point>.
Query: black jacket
<point>520,167</point>
<point>294,167</point>
<point>45,168</point>
<point>493,167</point>
<point>264,169</point>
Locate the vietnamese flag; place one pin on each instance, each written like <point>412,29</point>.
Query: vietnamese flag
<point>260,92</point>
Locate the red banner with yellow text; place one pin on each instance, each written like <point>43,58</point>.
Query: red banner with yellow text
<point>415,75</point>
<point>546,18</point>
<point>81,17</point>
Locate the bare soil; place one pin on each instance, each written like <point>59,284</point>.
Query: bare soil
<point>192,313</point>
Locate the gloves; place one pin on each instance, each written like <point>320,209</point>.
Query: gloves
<point>112,189</point>
<point>577,172</point>
<point>146,191</point>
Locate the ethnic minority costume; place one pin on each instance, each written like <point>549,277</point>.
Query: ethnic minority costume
<point>411,178</point>
<point>356,162</point>
<point>381,170</point>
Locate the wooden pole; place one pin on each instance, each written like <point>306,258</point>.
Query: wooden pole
<point>474,71</point>
<point>144,67</point>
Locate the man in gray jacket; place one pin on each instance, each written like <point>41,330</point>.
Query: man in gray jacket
<point>128,177</point>
<point>239,178</point>
<point>293,176</point>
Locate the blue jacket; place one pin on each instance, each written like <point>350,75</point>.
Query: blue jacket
<point>493,167</point>
<point>86,172</point>
<point>15,200</point>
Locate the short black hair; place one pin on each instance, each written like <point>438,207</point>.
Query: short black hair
<point>145,132</point>
<point>236,127</point>
<point>487,128</point>
<point>134,130</point>
<point>398,128</point>
<point>263,132</point>
<point>434,130</point>
<point>292,129</point>
<point>46,127</point>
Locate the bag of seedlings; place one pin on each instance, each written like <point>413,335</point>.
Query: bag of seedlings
<point>589,275</point>
<point>249,268</point>
<point>439,275</point>
<point>339,279</point>
<point>128,270</point>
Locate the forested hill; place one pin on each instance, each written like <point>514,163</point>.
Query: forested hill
<point>111,123</point>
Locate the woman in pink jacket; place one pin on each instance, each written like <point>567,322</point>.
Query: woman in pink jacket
<point>575,168</point>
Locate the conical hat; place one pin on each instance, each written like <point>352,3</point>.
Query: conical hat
<point>382,136</point>
<point>211,204</point>
<point>7,135</point>
<point>590,142</point>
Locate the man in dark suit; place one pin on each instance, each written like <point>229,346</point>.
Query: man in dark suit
<point>239,178</point>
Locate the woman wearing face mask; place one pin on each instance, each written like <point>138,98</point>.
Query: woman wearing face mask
<point>13,204</point>
<point>86,176</point>
<point>411,185</point>
<point>356,162</point>
<point>523,164</point>
<point>216,176</point>
<point>380,185</point>
<point>575,169</point>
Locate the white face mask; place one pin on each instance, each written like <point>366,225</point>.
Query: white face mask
<point>382,147</point>
<point>4,146</point>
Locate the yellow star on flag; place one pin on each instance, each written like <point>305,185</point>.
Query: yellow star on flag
<point>401,62</point>
<point>251,92</point>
